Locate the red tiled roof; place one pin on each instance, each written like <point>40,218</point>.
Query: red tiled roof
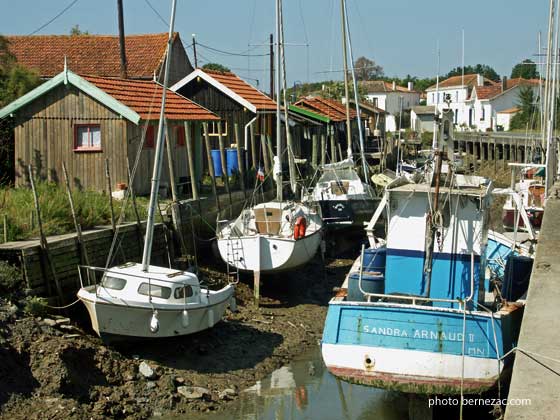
<point>144,97</point>
<point>521,81</point>
<point>329,108</point>
<point>97,55</point>
<point>373,86</point>
<point>469,80</point>
<point>243,89</point>
<point>489,92</point>
<point>513,110</point>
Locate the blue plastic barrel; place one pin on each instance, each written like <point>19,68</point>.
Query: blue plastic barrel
<point>374,259</point>
<point>231,161</point>
<point>371,283</point>
<point>216,159</point>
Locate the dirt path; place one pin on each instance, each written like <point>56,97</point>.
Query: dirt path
<point>64,371</point>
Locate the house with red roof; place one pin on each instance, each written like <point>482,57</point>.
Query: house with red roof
<point>246,114</point>
<point>487,102</point>
<point>99,55</point>
<point>86,121</point>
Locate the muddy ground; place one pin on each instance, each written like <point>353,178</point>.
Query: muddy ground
<point>62,370</point>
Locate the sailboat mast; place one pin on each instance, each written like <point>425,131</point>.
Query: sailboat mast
<point>146,256</point>
<point>356,99</point>
<point>346,94</point>
<point>278,130</point>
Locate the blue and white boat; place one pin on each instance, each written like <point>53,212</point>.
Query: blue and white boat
<point>416,315</point>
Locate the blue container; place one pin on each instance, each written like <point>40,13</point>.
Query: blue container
<point>231,161</point>
<point>374,260</point>
<point>217,160</point>
<point>371,283</point>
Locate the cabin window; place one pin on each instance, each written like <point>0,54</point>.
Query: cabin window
<point>214,127</point>
<point>180,131</point>
<point>113,283</point>
<point>154,290</point>
<point>87,137</point>
<point>149,141</point>
<point>183,292</point>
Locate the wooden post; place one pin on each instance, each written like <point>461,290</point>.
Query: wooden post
<point>314,144</point>
<point>211,166</point>
<point>240,159</point>
<point>110,192</point>
<point>254,151</point>
<point>77,227</point>
<point>43,239</point>
<point>323,148</point>
<point>5,222</point>
<point>190,160</point>
<point>333,145</point>
<point>264,148</point>
<point>134,206</point>
<point>224,166</point>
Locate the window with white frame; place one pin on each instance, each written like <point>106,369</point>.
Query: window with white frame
<point>87,137</point>
<point>214,127</point>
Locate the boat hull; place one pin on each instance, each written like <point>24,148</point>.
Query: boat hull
<point>349,212</point>
<point>415,350</point>
<point>118,318</point>
<point>535,218</point>
<point>275,254</point>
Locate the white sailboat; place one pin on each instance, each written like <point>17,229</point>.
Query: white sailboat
<point>277,235</point>
<point>143,300</point>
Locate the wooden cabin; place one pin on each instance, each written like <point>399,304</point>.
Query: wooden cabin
<point>246,114</point>
<point>99,55</point>
<point>84,121</point>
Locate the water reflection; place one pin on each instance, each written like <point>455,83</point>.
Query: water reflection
<point>305,390</point>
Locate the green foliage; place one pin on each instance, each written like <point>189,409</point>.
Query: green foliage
<point>75,30</point>
<point>367,69</point>
<point>335,90</point>
<point>10,278</point>
<point>92,209</point>
<point>36,306</point>
<point>216,67</point>
<point>528,116</point>
<point>482,69</point>
<point>526,69</point>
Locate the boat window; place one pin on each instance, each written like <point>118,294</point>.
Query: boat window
<point>114,283</point>
<point>154,290</point>
<point>183,292</point>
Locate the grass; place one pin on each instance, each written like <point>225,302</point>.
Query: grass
<point>92,209</point>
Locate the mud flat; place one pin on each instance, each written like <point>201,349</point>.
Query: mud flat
<point>53,367</point>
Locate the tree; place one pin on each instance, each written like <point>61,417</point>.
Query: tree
<point>367,69</point>
<point>216,67</point>
<point>482,69</point>
<point>528,115</point>
<point>527,69</point>
<point>75,30</point>
<point>335,90</point>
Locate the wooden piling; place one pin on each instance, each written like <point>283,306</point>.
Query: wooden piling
<point>333,145</point>
<point>43,239</point>
<point>254,151</point>
<point>314,144</point>
<point>5,228</point>
<point>323,148</point>
<point>134,205</point>
<point>240,159</point>
<point>264,148</point>
<point>224,167</point>
<point>190,161</point>
<point>83,250</point>
<point>110,192</point>
<point>211,166</point>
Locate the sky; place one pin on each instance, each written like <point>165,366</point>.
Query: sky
<point>399,35</point>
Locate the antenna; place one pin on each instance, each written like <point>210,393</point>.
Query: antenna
<point>434,140</point>
<point>463,59</point>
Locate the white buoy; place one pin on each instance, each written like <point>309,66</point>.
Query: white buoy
<point>154,323</point>
<point>185,318</point>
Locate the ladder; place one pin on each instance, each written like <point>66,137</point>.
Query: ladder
<point>233,246</point>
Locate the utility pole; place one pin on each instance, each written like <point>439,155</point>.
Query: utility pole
<point>121,39</point>
<point>271,67</point>
<point>194,51</point>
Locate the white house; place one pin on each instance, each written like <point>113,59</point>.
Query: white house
<point>458,90</point>
<point>503,118</point>
<point>487,101</point>
<point>388,96</point>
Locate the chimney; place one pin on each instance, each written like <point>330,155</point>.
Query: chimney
<point>121,39</point>
<point>394,85</point>
<point>504,83</point>
<point>410,86</point>
<point>479,80</point>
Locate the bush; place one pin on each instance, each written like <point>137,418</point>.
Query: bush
<point>35,306</point>
<point>10,278</point>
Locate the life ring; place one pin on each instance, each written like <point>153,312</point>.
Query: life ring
<point>299,228</point>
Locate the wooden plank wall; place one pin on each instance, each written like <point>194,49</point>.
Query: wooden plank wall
<point>44,137</point>
<point>66,256</point>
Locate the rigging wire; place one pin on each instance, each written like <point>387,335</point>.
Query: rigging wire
<point>54,18</point>
<point>240,54</point>
<point>156,12</point>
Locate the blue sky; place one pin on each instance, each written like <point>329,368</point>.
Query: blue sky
<point>400,35</point>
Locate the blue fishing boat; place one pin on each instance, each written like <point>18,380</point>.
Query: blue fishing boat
<point>415,315</point>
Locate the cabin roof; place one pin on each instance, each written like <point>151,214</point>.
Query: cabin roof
<point>97,55</point>
<point>423,188</point>
<point>132,99</point>
<point>333,110</point>
<point>233,86</point>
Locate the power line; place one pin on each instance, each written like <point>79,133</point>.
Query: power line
<point>242,54</point>
<point>54,18</point>
<point>156,13</point>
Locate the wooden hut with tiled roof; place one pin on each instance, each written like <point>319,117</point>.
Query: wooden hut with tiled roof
<point>84,120</point>
<point>99,55</point>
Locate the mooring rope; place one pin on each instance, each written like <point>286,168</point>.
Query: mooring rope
<point>62,307</point>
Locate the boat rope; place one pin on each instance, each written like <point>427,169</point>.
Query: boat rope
<point>63,307</point>
<point>532,355</point>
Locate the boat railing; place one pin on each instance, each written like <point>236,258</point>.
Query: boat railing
<point>413,298</point>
